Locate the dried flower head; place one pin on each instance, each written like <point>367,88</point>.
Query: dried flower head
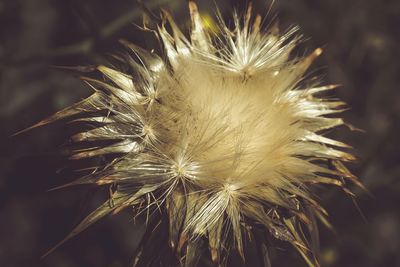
<point>219,141</point>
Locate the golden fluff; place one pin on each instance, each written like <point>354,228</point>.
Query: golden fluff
<point>218,141</point>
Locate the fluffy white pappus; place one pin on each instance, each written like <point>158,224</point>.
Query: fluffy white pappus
<point>219,138</point>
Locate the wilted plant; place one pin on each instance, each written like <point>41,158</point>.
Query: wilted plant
<point>219,140</point>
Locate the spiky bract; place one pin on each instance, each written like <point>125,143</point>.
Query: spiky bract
<point>221,138</point>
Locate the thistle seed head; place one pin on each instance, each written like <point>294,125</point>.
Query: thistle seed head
<point>219,137</point>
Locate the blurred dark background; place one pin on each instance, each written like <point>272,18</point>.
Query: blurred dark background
<point>361,43</point>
